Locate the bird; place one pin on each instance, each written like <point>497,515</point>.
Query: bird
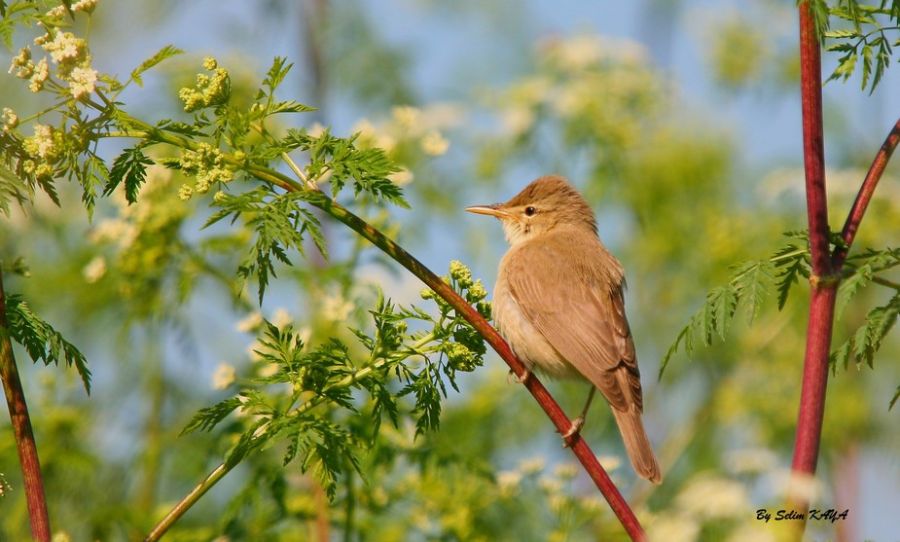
<point>559,304</point>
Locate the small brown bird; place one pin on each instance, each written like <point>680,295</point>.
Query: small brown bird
<point>559,304</point>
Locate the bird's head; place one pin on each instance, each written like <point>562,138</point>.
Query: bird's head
<point>546,204</point>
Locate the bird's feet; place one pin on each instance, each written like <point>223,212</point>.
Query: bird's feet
<point>574,430</point>
<point>512,377</point>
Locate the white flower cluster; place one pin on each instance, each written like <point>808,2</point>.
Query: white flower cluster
<point>25,68</point>
<point>82,5</point>
<point>73,61</point>
<point>70,54</point>
<point>9,119</point>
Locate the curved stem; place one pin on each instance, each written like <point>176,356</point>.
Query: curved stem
<point>858,210</point>
<point>199,490</point>
<point>22,431</point>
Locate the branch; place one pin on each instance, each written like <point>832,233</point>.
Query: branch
<point>578,446</point>
<point>823,283</point>
<point>855,216</point>
<point>813,142</point>
<point>24,436</point>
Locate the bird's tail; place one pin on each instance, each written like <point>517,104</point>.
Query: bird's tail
<point>637,444</point>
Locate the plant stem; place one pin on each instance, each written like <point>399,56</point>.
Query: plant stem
<point>199,490</point>
<point>21,423</point>
<point>855,216</point>
<point>813,142</point>
<point>826,267</point>
<point>823,283</point>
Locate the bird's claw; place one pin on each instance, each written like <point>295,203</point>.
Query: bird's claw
<point>512,377</point>
<point>574,430</point>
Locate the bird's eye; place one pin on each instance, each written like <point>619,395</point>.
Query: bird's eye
<point>529,211</point>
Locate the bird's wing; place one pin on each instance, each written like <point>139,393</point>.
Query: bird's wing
<point>583,320</point>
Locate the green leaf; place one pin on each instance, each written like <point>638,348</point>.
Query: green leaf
<point>866,341</point>
<point>93,175</point>
<point>718,312</point>
<point>12,188</point>
<point>276,74</point>
<point>41,340</point>
<point>894,399</point>
<point>850,286</point>
<point>791,261</point>
<point>166,52</point>
<point>845,67</point>
<point>131,167</point>
<point>842,47</point>
<point>207,418</point>
<point>867,64</point>
<point>289,106</point>
<point>673,348</point>
<point>840,34</point>
<point>753,281</point>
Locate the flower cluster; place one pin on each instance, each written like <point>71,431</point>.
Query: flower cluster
<point>70,54</point>
<point>472,290</point>
<point>475,292</point>
<point>207,165</point>
<point>82,5</point>
<point>25,68</point>
<point>9,119</point>
<point>45,148</point>
<point>461,357</point>
<point>209,90</point>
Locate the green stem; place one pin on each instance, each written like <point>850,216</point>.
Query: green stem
<point>349,507</point>
<point>160,529</point>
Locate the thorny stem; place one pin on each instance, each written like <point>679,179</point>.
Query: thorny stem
<point>24,436</point>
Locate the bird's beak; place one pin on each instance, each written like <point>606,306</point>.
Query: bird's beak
<point>491,210</point>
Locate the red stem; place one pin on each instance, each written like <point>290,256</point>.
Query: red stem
<point>824,286</point>
<point>815,379</point>
<point>21,422</point>
<point>876,170</point>
<point>813,146</point>
<point>826,267</point>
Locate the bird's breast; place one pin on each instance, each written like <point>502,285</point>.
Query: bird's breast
<point>523,337</point>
